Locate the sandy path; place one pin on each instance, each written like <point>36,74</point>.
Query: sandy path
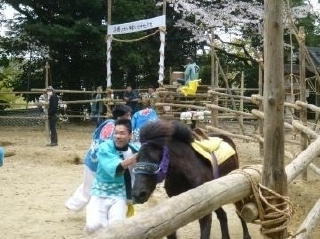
<point>37,180</point>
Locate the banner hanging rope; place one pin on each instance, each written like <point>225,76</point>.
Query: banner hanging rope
<point>136,26</point>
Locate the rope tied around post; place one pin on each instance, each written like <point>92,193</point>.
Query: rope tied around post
<point>137,39</point>
<point>274,210</point>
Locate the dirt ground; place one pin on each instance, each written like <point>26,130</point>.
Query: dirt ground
<point>36,181</point>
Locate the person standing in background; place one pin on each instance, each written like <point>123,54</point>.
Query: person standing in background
<point>143,116</point>
<point>1,156</point>
<point>43,99</point>
<point>191,72</point>
<point>97,106</point>
<point>131,98</point>
<point>52,115</point>
<point>152,96</point>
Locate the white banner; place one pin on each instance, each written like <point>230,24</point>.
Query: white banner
<point>137,26</point>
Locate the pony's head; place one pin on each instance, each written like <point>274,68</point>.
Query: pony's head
<point>153,137</point>
<point>153,157</point>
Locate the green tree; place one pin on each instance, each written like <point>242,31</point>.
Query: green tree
<point>71,36</point>
<point>67,34</point>
<point>9,72</point>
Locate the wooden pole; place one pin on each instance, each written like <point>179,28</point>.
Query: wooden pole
<point>228,89</point>
<point>310,222</point>
<point>314,168</point>
<point>214,82</point>
<point>303,160</point>
<point>46,122</point>
<point>241,93</point>
<point>108,41</point>
<point>274,176</point>
<point>261,109</point>
<point>303,111</point>
<point>304,129</point>
<point>162,46</point>
<point>308,57</point>
<point>213,76</point>
<point>164,7</point>
<point>47,67</point>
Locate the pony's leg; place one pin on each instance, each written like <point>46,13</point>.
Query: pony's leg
<point>193,124</point>
<point>222,217</point>
<point>205,226</point>
<point>246,234</point>
<point>172,236</point>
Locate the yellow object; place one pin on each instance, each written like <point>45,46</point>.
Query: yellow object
<point>216,145</point>
<point>191,88</point>
<point>130,211</point>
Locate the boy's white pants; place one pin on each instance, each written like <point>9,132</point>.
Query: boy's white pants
<point>81,196</point>
<point>102,212</point>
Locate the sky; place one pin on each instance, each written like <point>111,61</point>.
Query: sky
<point>10,11</point>
<point>8,14</point>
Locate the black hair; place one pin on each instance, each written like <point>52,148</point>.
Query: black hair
<point>124,122</point>
<point>120,111</point>
<point>189,59</point>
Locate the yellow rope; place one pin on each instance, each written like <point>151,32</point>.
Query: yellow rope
<point>139,39</point>
<point>274,210</point>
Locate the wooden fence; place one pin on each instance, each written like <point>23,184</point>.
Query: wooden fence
<point>178,211</point>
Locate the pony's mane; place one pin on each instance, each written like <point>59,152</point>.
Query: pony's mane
<point>182,132</point>
<point>157,132</point>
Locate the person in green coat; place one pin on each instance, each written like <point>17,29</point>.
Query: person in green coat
<point>191,72</point>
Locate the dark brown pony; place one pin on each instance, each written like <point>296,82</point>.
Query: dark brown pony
<point>166,154</point>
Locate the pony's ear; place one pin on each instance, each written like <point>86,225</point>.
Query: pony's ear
<point>196,136</point>
<point>200,134</point>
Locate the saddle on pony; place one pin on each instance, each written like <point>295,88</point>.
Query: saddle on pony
<point>211,146</point>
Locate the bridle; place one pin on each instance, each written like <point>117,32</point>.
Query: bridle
<point>160,170</point>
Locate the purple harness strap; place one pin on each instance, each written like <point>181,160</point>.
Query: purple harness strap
<point>215,166</point>
<point>164,164</point>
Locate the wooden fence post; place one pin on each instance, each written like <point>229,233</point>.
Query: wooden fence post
<point>261,151</point>
<point>303,111</point>
<point>214,82</point>
<point>46,124</point>
<point>274,176</point>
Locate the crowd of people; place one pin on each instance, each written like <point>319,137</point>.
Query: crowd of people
<point>130,96</point>
<point>49,103</point>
